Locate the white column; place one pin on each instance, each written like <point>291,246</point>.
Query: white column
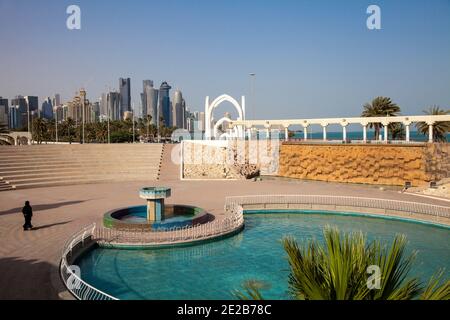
<point>407,132</point>
<point>385,133</point>
<point>324,133</point>
<point>286,134</point>
<point>249,134</point>
<point>268,133</point>
<point>305,133</point>
<point>365,133</point>
<point>430,133</point>
<point>344,133</point>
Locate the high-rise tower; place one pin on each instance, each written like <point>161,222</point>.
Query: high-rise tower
<point>178,110</point>
<point>150,101</point>
<point>164,109</point>
<point>125,95</point>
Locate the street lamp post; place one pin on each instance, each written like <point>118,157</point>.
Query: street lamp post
<point>83,114</point>
<point>132,119</point>
<point>252,92</point>
<point>109,113</point>
<point>56,125</point>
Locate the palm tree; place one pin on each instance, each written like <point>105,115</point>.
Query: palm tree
<point>440,129</point>
<point>148,123</point>
<point>380,107</point>
<point>70,124</point>
<point>101,131</point>
<point>397,130</point>
<point>39,130</point>
<point>337,270</point>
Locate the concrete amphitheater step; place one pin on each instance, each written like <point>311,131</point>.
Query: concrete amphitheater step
<point>14,178</point>
<point>69,178</point>
<point>39,166</point>
<point>84,165</point>
<point>79,166</point>
<point>56,183</point>
<point>31,161</point>
<point>4,186</point>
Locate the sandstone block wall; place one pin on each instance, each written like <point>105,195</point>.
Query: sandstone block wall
<point>229,159</point>
<point>371,164</point>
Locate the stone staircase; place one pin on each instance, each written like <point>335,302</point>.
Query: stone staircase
<point>54,165</point>
<point>4,186</point>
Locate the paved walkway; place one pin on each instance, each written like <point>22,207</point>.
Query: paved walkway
<point>29,260</point>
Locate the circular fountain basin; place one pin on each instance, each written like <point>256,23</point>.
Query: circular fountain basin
<point>176,216</point>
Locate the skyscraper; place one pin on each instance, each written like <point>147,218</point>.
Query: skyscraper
<point>125,95</point>
<point>18,114</point>
<point>178,110</point>
<point>95,111</point>
<point>165,108</point>
<point>32,103</point>
<point>47,109</point>
<point>150,101</point>
<point>104,104</point>
<point>57,100</point>
<point>113,106</point>
<point>4,111</point>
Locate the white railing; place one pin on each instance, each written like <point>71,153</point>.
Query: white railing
<point>175,235</point>
<point>84,291</point>
<point>73,282</point>
<point>388,206</point>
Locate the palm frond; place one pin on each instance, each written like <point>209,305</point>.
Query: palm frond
<point>434,291</point>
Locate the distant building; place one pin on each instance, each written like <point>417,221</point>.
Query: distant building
<point>125,95</point>
<point>113,106</point>
<point>178,110</point>
<point>18,113</point>
<point>79,109</point>
<point>4,110</point>
<point>165,108</point>
<point>58,113</point>
<point>150,101</point>
<point>47,109</point>
<point>56,100</point>
<point>104,105</point>
<point>32,107</point>
<point>199,119</point>
<point>189,119</point>
<point>95,112</point>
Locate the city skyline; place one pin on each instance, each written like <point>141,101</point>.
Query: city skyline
<point>323,55</point>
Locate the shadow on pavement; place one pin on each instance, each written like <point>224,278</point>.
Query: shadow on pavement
<point>50,225</point>
<point>26,279</point>
<point>40,207</point>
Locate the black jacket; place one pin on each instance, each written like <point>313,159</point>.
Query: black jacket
<point>27,211</point>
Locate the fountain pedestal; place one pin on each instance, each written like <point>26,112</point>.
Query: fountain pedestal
<point>155,201</point>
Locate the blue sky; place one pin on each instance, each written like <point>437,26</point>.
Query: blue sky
<point>311,58</point>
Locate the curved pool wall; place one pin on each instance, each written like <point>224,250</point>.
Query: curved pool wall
<point>348,213</point>
<point>177,216</point>
<point>255,254</point>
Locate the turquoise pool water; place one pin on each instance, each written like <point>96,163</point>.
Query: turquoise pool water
<point>212,270</point>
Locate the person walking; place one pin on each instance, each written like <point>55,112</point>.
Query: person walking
<point>27,214</point>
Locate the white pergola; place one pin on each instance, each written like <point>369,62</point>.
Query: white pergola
<point>430,120</point>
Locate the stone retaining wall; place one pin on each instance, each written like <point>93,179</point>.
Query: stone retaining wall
<point>370,164</point>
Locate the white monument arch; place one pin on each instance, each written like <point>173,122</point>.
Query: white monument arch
<point>211,131</point>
